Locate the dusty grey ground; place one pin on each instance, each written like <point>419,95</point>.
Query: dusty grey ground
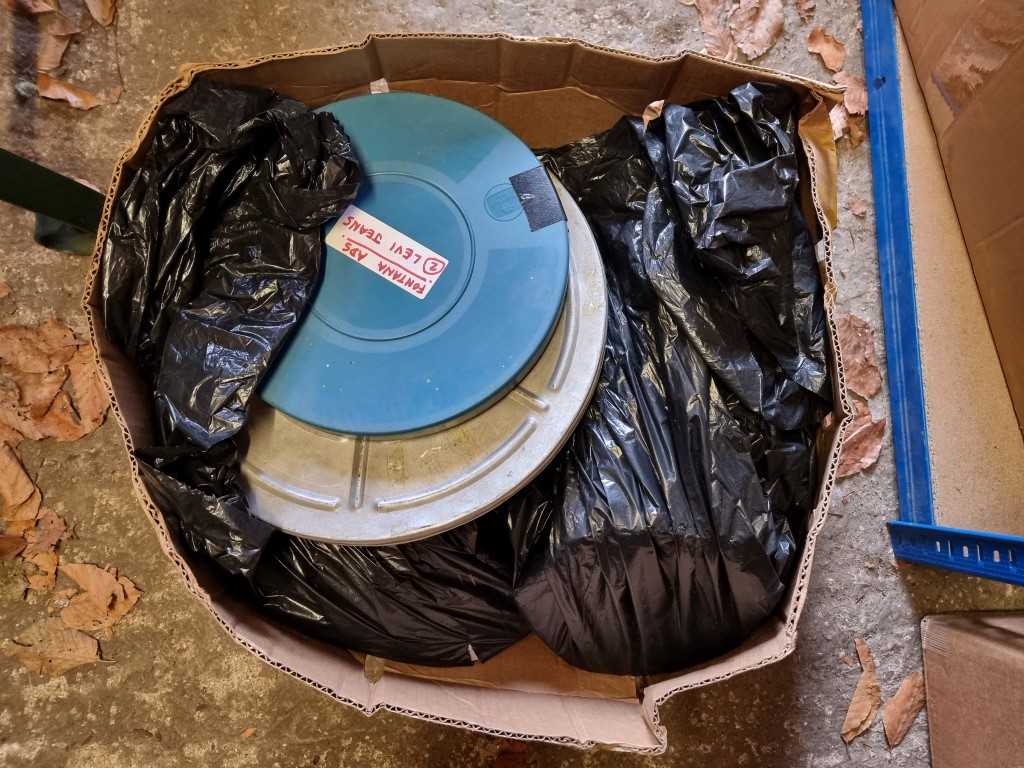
<point>180,690</point>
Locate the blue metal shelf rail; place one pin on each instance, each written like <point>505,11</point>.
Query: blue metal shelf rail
<point>915,537</point>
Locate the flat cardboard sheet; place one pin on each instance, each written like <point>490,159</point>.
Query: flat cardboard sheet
<point>969,61</point>
<point>973,668</point>
<point>549,92</point>
<point>977,452</point>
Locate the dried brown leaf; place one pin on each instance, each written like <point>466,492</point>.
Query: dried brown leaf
<point>51,53</point>
<point>37,349</point>
<point>756,25</point>
<point>31,7</point>
<point>831,51</point>
<point>857,134</point>
<point>847,661</point>
<point>856,97</point>
<point>866,698</point>
<point>862,444</point>
<point>61,420</point>
<point>901,710</point>
<point>857,345</point>
<point>102,10</point>
<point>653,111</point>
<point>840,121</point>
<point>99,585</point>
<point>49,529</point>
<point>44,367</point>
<point>50,648</point>
<point>91,398</point>
<point>104,599</point>
<point>59,90</point>
<point>806,9</point>
<point>714,26</point>
<point>19,497</point>
<point>857,206</point>
<point>247,733</point>
<point>46,578</point>
<point>11,547</point>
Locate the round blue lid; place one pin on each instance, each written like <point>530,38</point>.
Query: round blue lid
<point>436,296</point>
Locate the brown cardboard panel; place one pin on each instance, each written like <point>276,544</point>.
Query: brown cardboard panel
<point>973,667</point>
<point>555,714</point>
<point>976,449</point>
<point>969,60</point>
<point>930,26</point>
<point>578,89</point>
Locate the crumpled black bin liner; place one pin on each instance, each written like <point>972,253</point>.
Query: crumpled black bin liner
<point>667,538</point>
<point>665,531</point>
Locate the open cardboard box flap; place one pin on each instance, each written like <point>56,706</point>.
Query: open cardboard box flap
<point>549,93</point>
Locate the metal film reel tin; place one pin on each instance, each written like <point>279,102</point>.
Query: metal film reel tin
<point>452,347</point>
<point>371,491</point>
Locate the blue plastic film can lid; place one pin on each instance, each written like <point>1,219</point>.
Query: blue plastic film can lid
<point>441,283</point>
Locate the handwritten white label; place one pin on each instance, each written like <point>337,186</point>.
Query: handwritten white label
<point>384,250</point>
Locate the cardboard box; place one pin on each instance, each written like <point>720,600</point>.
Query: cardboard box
<point>961,88</point>
<point>549,93</point>
<point>973,667</point>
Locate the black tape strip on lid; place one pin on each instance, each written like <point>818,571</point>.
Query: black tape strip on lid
<point>538,197</point>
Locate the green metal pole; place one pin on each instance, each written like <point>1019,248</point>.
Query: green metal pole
<point>52,197</point>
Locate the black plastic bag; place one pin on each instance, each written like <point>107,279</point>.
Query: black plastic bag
<point>214,248</point>
<point>663,540</point>
<point>213,254</point>
<point>443,601</point>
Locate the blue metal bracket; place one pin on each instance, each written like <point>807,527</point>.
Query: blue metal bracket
<point>990,555</point>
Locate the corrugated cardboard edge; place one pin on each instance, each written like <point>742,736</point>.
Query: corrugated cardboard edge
<point>773,642</point>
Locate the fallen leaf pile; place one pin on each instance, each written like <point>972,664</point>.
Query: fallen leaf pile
<point>862,443</point>
<point>58,28</point>
<point>847,117</point>
<point>50,388</point>
<point>49,385</point>
<point>900,711</point>
<point>104,598</point>
<point>863,440</point>
<point>737,29</point>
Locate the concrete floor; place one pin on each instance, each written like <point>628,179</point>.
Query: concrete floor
<point>180,689</point>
